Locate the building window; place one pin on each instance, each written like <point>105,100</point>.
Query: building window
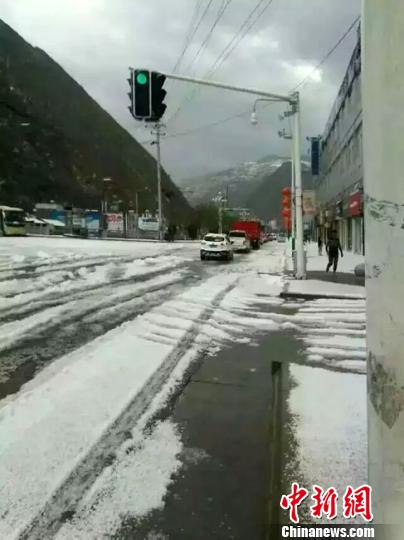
<point>348,155</point>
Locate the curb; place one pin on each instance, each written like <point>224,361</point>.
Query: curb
<point>313,296</point>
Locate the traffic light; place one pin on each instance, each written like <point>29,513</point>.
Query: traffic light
<point>147,95</point>
<point>140,94</point>
<point>131,93</point>
<point>158,94</point>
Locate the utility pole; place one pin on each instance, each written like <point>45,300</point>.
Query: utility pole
<point>219,200</point>
<point>157,132</point>
<point>158,126</point>
<point>383,127</point>
<point>293,201</point>
<point>301,267</point>
<point>220,218</point>
<point>104,207</point>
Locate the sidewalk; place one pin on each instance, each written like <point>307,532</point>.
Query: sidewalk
<point>316,273</point>
<point>318,263</point>
<point>224,417</point>
<point>324,398</point>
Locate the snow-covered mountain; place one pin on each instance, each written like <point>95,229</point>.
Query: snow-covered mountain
<point>238,182</point>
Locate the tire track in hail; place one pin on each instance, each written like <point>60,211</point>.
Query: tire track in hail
<point>30,270</point>
<point>57,298</point>
<point>20,363</point>
<point>64,501</point>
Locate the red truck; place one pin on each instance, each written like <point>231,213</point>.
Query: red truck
<point>252,228</point>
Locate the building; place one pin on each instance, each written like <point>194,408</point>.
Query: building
<point>339,185</point>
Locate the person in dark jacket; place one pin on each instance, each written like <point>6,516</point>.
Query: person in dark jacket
<point>333,248</point>
<point>320,245</point>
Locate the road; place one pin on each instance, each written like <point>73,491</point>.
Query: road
<point>95,338</point>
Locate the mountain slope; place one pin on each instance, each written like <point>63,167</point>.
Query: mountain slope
<point>239,181</point>
<point>265,200</point>
<point>57,143</point>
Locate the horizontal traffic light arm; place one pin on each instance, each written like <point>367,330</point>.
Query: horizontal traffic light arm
<point>292,99</point>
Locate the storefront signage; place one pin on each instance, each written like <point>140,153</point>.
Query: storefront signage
<point>309,202</point>
<point>355,204</point>
<point>92,221</point>
<point>115,222</point>
<point>148,223</point>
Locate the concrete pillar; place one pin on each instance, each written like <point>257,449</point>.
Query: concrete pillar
<point>383,136</point>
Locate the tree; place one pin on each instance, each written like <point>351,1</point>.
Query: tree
<point>192,231</point>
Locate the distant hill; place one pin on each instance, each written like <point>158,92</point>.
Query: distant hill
<point>57,143</point>
<point>240,181</point>
<point>265,200</point>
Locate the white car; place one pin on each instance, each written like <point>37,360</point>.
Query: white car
<point>240,241</point>
<point>216,246</point>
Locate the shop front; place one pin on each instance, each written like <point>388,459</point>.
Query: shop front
<point>355,212</point>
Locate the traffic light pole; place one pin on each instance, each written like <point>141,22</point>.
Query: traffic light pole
<point>293,100</point>
<point>298,192</point>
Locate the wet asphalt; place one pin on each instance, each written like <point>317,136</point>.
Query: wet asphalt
<point>230,416</point>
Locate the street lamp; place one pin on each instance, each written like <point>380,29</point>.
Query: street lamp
<point>296,181</point>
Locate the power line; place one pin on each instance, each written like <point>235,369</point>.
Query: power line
<point>327,56</point>
<point>207,126</point>
<point>200,128</point>
<point>182,54</point>
<point>203,46</point>
<point>187,39</point>
<point>195,13</point>
<point>239,36</point>
<point>228,49</point>
<point>307,78</point>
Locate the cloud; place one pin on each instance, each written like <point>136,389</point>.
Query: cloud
<point>96,41</point>
<point>304,71</point>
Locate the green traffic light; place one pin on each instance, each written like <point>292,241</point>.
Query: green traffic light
<point>141,78</point>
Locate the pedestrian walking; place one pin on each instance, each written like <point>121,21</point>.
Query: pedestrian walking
<point>333,248</point>
<point>320,245</point>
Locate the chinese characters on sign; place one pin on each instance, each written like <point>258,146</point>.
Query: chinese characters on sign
<point>356,502</point>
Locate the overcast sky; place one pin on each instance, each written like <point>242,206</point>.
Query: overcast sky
<point>96,41</point>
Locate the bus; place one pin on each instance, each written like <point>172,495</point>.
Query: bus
<point>12,221</point>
